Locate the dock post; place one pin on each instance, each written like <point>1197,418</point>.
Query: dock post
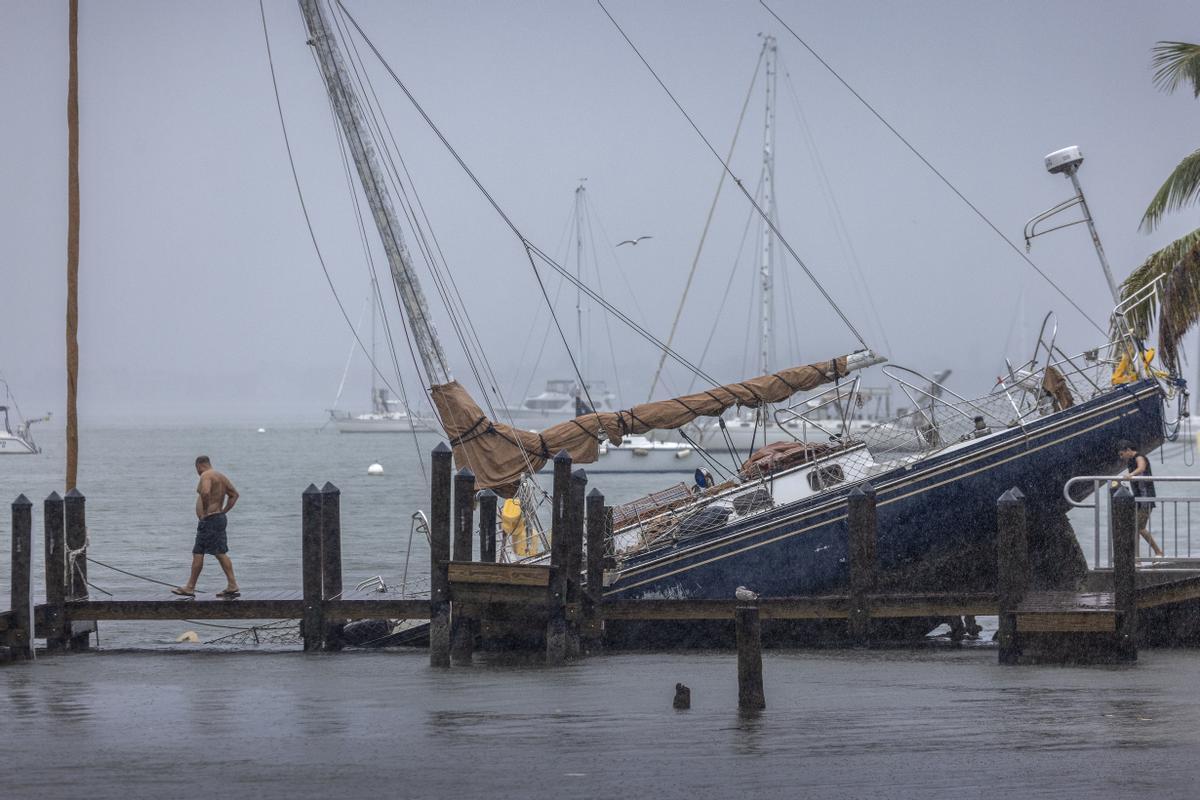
<point>575,528</point>
<point>439,556</point>
<point>594,584</point>
<point>1012,550</point>
<point>20,639</point>
<point>312,624</point>
<point>487,526</point>
<point>1124,539</point>
<point>331,560</point>
<point>57,629</point>
<point>861,518</point>
<point>75,522</point>
<point>462,631</point>
<point>556,627</point>
<point>749,659</point>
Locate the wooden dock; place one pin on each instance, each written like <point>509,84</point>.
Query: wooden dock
<point>560,606</point>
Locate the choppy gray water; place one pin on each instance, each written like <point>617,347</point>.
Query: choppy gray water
<point>151,718</point>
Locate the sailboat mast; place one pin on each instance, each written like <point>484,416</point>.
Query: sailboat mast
<point>72,246</point>
<point>374,383</point>
<point>579,277</point>
<point>374,182</point>
<point>768,240</point>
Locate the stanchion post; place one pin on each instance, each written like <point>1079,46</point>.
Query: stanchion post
<point>487,526</point>
<point>312,623</point>
<point>75,522</point>
<point>556,627</point>
<point>439,556</point>
<point>462,631</point>
<point>57,629</point>
<point>20,638</point>
<point>1125,536</point>
<point>1012,550</point>
<point>863,532</point>
<point>749,659</point>
<point>331,560</point>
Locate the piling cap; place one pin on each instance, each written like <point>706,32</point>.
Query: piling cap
<point>312,489</point>
<point>1011,497</point>
<point>329,488</point>
<point>21,502</point>
<point>442,447</point>
<point>579,475</point>
<point>1017,493</point>
<point>53,498</point>
<point>595,492</point>
<point>485,494</point>
<point>563,456</point>
<point>74,494</point>
<point>863,490</point>
<point>466,474</point>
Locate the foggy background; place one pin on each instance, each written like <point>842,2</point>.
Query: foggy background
<point>201,298</point>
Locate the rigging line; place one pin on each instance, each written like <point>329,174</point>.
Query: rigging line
<point>534,322</point>
<point>304,206</point>
<point>421,207</point>
<point>612,351</point>
<point>130,574</point>
<point>350,356</point>
<point>561,333</point>
<point>478,184</point>
<point>847,244</point>
<point>530,247</point>
<point>933,169</point>
<point>765,217</point>
<point>707,222</point>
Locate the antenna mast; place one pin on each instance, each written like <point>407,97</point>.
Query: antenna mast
<point>349,112</point>
<point>579,276</point>
<point>768,236</point>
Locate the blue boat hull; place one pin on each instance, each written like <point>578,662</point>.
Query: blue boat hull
<point>937,517</point>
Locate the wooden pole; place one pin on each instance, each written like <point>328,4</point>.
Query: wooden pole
<point>575,528</point>
<point>594,583</point>
<point>313,621</point>
<point>556,628</point>
<point>863,562</point>
<point>75,522</point>
<point>439,555</point>
<point>1012,551</point>
<point>487,526</point>
<point>1125,536</point>
<point>20,640</point>
<point>72,244</point>
<point>331,560</point>
<point>462,632</point>
<point>749,659</point>
<point>57,628</point>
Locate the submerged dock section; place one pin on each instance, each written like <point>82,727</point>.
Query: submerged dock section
<point>557,606</point>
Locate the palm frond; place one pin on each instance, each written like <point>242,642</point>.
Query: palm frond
<point>1175,63</point>
<point>1181,188</point>
<point>1179,263</point>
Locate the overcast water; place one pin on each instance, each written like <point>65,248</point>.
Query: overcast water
<point>149,717</point>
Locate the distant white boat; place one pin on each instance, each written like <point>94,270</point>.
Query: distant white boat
<point>387,416</point>
<point>18,441</point>
<point>558,402</point>
<point>641,454</point>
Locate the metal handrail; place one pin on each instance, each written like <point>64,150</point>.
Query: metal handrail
<point>1098,483</point>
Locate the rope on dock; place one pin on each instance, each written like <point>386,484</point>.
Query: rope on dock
<point>130,574</point>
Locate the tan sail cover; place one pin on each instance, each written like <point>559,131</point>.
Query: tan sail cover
<point>498,454</point>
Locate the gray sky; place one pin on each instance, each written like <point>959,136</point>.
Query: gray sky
<point>201,297</point>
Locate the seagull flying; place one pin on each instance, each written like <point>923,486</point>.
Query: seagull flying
<point>634,241</point>
<point>744,594</point>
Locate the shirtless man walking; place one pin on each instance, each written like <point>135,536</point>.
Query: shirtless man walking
<point>215,498</point>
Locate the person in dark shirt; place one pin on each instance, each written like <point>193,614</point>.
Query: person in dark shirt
<point>1138,464</point>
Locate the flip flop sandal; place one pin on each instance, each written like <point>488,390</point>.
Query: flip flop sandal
<point>183,592</point>
<point>228,595</point>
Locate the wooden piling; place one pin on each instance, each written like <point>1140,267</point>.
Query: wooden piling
<point>1012,552</point>
<point>20,637</point>
<point>75,523</point>
<point>749,659</point>
<point>592,628</point>
<point>331,561</point>
<point>575,530</point>
<point>487,526</point>
<point>863,532</point>
<point>312,624</point>
<point>556,627</point>
<point>439,556</point>
<point>1124,539</point>
<point>462,631</point>
<point>57,628</point>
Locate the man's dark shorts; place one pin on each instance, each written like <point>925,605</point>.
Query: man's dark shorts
<point>210,536</point>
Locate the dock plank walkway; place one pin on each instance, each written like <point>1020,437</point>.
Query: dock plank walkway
<point>1062,612</point>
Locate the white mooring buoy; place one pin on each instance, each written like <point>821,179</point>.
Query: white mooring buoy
<point>375,469</point>
<point>262,430</point>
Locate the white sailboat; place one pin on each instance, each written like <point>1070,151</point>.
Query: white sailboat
<point>18,440</point>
